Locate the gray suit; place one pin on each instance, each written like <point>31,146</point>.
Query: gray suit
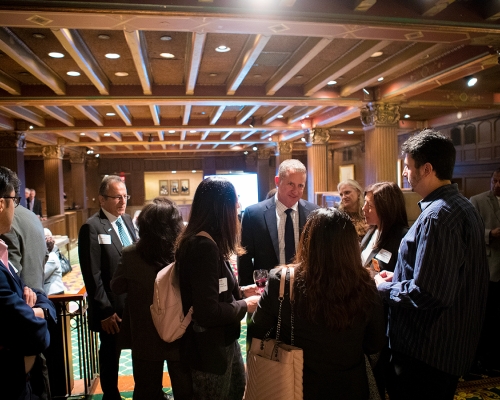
<point>27,248</point>
<point>487,205</point>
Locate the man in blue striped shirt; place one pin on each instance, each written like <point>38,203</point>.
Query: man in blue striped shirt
<point>437,294</point>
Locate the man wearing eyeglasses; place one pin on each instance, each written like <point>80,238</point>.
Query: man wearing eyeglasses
<point>100,243</point>
<point>25,313</point>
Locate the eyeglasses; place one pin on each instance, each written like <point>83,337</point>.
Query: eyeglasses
<point>16,200</point>
<point>124,197</point>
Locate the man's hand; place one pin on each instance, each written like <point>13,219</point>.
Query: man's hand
<point>250,290</point>
<point>495,232</point>
<point>111,325</point>
<point>252,302</point>
<point>39,312</point>
<point>29,296</point>
<point>383,276</point>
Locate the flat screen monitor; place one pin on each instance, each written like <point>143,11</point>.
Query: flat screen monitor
<point>246,187</point>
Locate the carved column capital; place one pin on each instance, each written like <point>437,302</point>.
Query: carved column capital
<point>53,152</point>
<point>319,136</point>
<point>264,154</point>
<point>77,157</point>
<point>285,147</point>
<point>11,140</point>
<point>380,114</point>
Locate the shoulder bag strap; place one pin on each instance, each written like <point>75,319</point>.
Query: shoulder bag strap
<point>207,235</point>
<point>280,298</point>
<point>292,303</point>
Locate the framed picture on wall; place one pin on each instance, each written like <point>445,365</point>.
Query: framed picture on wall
<point>346,172</point>
<point>174,187</point>
<point>184,187</point>
<point>163,188</point>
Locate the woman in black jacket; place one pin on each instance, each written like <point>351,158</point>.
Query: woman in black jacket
<point>338,312</point>
<point>207,283</point>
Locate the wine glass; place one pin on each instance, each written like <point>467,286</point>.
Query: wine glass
<point>260,278</point>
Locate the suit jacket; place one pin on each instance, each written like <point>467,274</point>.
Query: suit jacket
<point>135,278</point>
<point>98,263</point>
<point>37,206</point>
<point>259,236</point>
<point>22,333</point>
<point>27,248</point>
<point>487,205</point>
<point>391,244</point>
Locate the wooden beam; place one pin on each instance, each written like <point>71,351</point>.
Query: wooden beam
<point>137,45</point>
<point>91,113</point>
<point>138,135</point>
<point>336,116</point>
<point>304,113</point>
<point>273,114</point>
<point>155,113</point>
<point>93,135</point>
<point>186,114</point>
<point>9,85</point>
<point>246,113</point>
<point>196,44</point>
<point>58,114</point>
<point>124,114</point>
<point>24,113</point>
<point>70,136</point>
<point>7,123</point>
<point>216,114</point>
<point>363,5</point>
<point>43,139</point>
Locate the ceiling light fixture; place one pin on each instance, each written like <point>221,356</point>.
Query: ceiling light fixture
<point>171,131</point>
<point>222,49</point>
<point>407,115</point>
<point>299,76</point>
<point>303,139</point>
<point>279,116</point>
<point>31,126</point>
<point>252,122</point>
<point>103,36</point>
<point>121,73</point>
<point>366,91</point>
<point>166,38</point>
<point>38,35</point>
<point>97,156</point>
<point>167,55</point>
<point>174,172</point>
<point>73,73</point>
<point>212,74</point>
<point>380,79</point>
<point>270,139</point>
<point>193,171</point>
<point>110,114</point>
<point>150,138</point>
<point>82,134</point>
<point>112,56</point>
<point>350,132</point>
<point>192,131</point>
<point>471,81</point>
<point>245,152</point>
<point>55,54</point>
<point>330,83</point>
<point>377,54</point>
<point>107,134</point>
<point>254,148</point>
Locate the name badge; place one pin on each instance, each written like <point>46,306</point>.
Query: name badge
<point>384,256</point>
<point>104,239</point>
<point>222,285</point>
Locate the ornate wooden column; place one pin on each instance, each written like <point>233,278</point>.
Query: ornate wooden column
<point>54,183</point>
<point>77,160</point>
<point>12,145</point>
<point>380,121</point>
<point>331,181</point>
<point>263,156</point>
<point>317,165</point>
<point>284,153</point>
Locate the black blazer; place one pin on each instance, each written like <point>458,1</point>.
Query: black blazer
<point>259,236</point>
<point>98,263</point>
<point>37,206</point>
<point>391,244</point>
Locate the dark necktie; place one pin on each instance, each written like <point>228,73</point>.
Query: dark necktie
<point>289,237</point>
<point>123,236</point>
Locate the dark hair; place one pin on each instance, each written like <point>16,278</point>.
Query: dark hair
<point>160,223</point>
<point>430,146</point>
<point>391,210</point>
<point>336,288</point>
<point>8,182</point>
<point>497,171</point>
<point>214,211</point>
<point>106,181</point>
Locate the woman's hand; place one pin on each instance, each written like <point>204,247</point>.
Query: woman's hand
<point>252,302</point>
<point>250,290</point>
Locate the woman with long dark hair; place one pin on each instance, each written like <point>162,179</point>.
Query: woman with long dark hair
<point>338,313</point>
<point>208,284</point>
<point>160,223</point>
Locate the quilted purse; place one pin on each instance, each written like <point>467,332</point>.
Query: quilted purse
<point>274,369</point>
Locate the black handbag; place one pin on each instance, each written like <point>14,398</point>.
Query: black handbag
<point>205,349</point>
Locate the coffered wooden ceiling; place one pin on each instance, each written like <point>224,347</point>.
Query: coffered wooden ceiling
<point>283,54</point>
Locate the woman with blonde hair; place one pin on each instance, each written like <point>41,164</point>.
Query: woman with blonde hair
<point>351,202</point>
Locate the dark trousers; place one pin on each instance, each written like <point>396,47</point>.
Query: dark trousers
<point>109,358</point>
<point>148,375</point>
<point>488,352</point>
<point>411,379</point>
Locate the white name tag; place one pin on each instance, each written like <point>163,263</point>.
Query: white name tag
<point>384,256</point>
<point>222,285</point>
<point>104,239</point>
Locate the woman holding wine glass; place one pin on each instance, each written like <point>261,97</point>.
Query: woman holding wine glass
<point>208,284</point>
<point>338,315</point>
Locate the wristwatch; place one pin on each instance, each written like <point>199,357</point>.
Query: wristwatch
<point>46,313</point>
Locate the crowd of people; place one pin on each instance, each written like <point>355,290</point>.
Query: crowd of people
<point>373,296</point>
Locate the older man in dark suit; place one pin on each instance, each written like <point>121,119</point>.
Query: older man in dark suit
<point>271,228</point>
<point>33,204</point>
<point>100,245</point>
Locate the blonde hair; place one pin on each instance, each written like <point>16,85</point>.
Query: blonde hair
<point>354,184</point>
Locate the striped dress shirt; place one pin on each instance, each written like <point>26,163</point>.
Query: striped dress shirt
<point>438,293</point>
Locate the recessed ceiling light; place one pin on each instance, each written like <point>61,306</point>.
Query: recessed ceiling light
<point>303,139</point>
<point>97,155</point>
<point>110,114</point>
<point>55,54</point>
<point>279,116</point>
<point>471,81</point>
<point>193,171</point>
<point>306,116</point>
<point>380,79</point>
<point>103,36</point>
<point>245,152</point>
<point>73,73</point>
<point>112,56</point>
<point>350,132</point>
<point>121,73</point>
<point>332,83</point>
<point>377,54</point>
<point>31,126</point>
<point>407,115</point>
<point>270,139</point>
<point>171,131</point>
<point>212,74</point>
<point>82,134</point>
<point>203,113</point>
<point>167,55</point>
<point>166,37</point>
<point>254,148</point>
<point>38,35</point>
<point>299,76</point>
<point>342,130</point>
<point>174,172</point>
<point>24,73</point>
<point>107,134</point>
<point>192,131</point>
<point>222,49</point>
<point>257,75</point>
